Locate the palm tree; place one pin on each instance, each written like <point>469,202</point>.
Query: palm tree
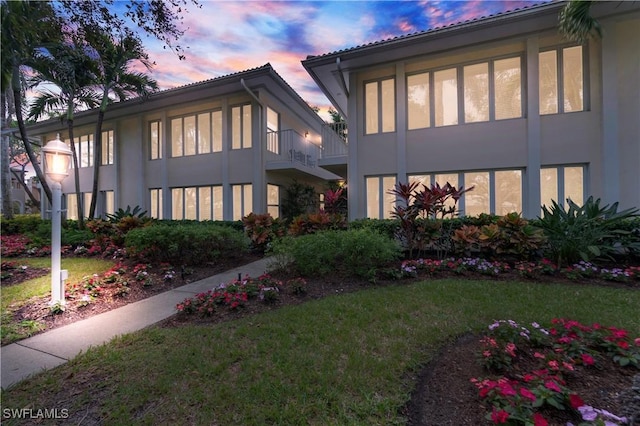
<point>26,26</point>
<point>576,22</point>
<point>114,77</point>
<point>69,68</point>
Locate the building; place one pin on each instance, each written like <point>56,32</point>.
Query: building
<point>213,150</point>
<point>502,103</point>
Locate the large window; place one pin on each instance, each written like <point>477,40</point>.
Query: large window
<point>107,148</point>
<point>72,206</point>
<point>84,150</point>
<point>109,202</point>
<point>194,203</point>
<point>273,200</point>
<point>155,140</point>
<point>241,127</point>
<point>561,182</point>
<point>156,203</point>
<point>508,88</point>
<point>191,135</point>
<point>445,90</point>
<point>380,106</point>
<point>242,200</point>
<point>561,80</point>
<point>379,201</point>
<point>491,90</point>
<point>495,191</point>
<point>273,125</point>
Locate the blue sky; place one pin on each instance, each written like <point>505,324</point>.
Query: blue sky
<point>224,37</point>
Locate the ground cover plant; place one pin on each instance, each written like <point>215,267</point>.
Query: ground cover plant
<point>347,358</point>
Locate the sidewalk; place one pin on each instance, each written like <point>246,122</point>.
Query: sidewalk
<point>52,348</point>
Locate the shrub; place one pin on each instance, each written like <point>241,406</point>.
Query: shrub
<point>387,227</point>
<point>311,223</point>
<point>262,229</point>
<point>20,224</point>
<point>586,232</point>
<point>185,244</point>
<point>350,253</point>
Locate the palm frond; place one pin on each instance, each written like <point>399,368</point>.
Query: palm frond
<point>576,22</point>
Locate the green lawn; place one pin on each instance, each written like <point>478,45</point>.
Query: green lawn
<point>14,296</point>
<point>342,360</point>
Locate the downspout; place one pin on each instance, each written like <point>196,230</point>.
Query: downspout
<point>342,80</point>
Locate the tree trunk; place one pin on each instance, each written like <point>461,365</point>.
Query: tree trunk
<point>76,175</point>
<point>97,159</point>
<point>5,158</point>
<point>17,100</point>
<point>20,178</point>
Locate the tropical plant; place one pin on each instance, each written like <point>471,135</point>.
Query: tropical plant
<point>68,67</point>
<point>576,22</point>
<point>120,214</point>
<point>114,60</point>
<point>262,229</point>
<point>586,232</point>
<point>311,223</point>
<point>415,206</point>
<point>298,199</point>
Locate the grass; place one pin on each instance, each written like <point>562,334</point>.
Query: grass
<point>342,360</point>
<point>15,296</point>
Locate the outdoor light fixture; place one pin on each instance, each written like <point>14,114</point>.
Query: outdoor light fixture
<point>57,158</point>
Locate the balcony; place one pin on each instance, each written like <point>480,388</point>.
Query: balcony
<point>288,149</point>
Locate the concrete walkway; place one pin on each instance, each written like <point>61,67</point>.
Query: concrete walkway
<point>52,348</point>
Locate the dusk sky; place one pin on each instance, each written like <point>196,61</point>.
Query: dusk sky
<point>225,37</point>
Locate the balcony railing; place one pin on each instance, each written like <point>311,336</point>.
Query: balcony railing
<point>334,140</point>
<point>290,145</point>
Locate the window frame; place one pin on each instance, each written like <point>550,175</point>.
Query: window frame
<point>560,77</point>
<point>244,141</point>
<point>107,140</point>
<point>381,106</point>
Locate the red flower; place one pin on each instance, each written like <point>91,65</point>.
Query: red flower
<point>538,420</point>
<point>587,359</point>
<point>575,401</point>
<point>551,385</point>
<point>499,416</point>
<point>527,394</point>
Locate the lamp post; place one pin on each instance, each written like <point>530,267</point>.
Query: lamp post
<point>57,158</point>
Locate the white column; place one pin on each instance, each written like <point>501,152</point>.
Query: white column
<point>57,284</point>
<point>531,195</point>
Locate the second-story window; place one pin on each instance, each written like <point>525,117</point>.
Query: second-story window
<point>155,140</point>
<point>380,106</point>
<point>107,148</point>
<point>561,75</point>
<point>241,127</point>
<point>195,134</point>
<point>273,136</point>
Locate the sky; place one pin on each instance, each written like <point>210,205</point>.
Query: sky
<point>224,37</point>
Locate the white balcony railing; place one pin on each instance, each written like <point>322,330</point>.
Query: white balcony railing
<point>334,140</point>
<point>290,145</point>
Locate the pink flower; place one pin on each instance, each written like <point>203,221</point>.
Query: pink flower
<point>539,355</point>
<point>528,394</point>
<point>551,385</point>
<point>499,416</point>
<point>538,420</point>
<point>587,359</point>
<point>510,349</point>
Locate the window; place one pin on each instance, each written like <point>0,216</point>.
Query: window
<point>491,90</point>
<point>194,203</point>
<point>155,140</point>
<point>273,143</point>
<point>242,200</point>
<point>380,106</point>
<point>273,200</point>
<point>379,201</point>
<point>565,93</point>
<point>241,127</point>
<point>107,148</point>
<point>109,202</point>
<point>508,88</point>
<point>418,103</point>
<point>72,206</point>
<point>508,189</point>
<point>506,185</point>
<point>476,92</point>
<point>445,84</point>
<point>156,203</point>
<point>194,134</point>
<point>84,150</point>
<point>478,200</point>
<point>561,182</point>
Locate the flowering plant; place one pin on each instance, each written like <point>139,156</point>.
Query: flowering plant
<point>559,350</point>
